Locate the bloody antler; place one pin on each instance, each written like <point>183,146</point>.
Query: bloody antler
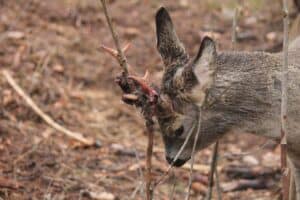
<point>132,83</point>
<point>135,89</point>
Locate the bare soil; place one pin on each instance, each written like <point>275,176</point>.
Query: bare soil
<point>52,49</point>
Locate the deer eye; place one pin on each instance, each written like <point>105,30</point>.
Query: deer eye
<point>178,132</point>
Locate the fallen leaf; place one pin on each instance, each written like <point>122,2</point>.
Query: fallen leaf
<point>58,68</point>
<point>99,195</point>
<point>271,36</point>
<point>15,35</point>
<point>199,188</point>
<point>251,160</point>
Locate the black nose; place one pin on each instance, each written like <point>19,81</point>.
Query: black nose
<point>177,163</point>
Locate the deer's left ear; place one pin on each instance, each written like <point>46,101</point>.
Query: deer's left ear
<point>204,64</point>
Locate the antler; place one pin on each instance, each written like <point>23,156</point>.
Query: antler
<point>113,52</point>
<point>125,83</point>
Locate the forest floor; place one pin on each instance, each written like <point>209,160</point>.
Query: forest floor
<point>52,50</point>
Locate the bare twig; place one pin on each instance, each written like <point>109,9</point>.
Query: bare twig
<point>149,189</point>
<point>234,28</point>
<point>121,58</point>
<point>171,196</point>
<point>140,183</point>
<point>213,166</point>
<point>245,153</point>
<point>243,184</point>
<point>219,190</point>
<point>283,115</point>
<point>74,135</point>
<point>193,156</point>
<point>137,188</point>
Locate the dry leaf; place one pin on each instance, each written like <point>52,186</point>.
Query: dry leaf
<point>58,68</point>
<point>15,35</point>
<point>199,188</point>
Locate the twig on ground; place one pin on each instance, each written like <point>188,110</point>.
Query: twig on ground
<point>135,191</point>
<point>74,135</point>
<point>283,114</point>
<point>246,172</point>
<point>243,184</point>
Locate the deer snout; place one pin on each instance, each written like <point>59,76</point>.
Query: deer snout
<point>177,163</point>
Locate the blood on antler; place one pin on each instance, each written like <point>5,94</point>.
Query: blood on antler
<point>137,89</point>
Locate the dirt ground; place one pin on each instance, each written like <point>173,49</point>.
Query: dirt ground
<point>52,50</point>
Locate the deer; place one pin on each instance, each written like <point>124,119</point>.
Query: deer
<point>217,92</point>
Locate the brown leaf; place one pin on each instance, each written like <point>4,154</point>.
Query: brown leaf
<point>99,195</point>
<point>58,68</point>
<point>15,35</point>
<point>199,188</point>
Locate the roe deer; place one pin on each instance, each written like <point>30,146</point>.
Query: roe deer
<point>235,91</point>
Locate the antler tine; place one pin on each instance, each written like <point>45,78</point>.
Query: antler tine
<point>142,81</point>
<point>114,52</point>
<point>111,51</point>
<point>146,75</point>
<point>126,47</point>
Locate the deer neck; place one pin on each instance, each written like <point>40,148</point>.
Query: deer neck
<point>245,97</point>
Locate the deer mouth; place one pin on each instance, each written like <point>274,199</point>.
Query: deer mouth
<point>176,163</point>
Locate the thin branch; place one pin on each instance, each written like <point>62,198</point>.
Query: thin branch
<point>283,114</point>
<point>121,58</point>
<point>74,135</point>
<point>140,183</point>
<point>193,156</point>
<point>149,188</point>
<point>234,28</point>
<point>171,196</point>
<point>219,190</point>
<point>213,166</point>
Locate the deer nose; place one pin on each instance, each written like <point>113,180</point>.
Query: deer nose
<point>177,163</point>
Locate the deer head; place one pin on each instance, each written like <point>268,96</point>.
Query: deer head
<point>185,84</point>
<point>183,91</point>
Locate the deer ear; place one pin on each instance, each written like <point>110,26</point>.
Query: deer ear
<point>204,64</point>
<point>168,44</point>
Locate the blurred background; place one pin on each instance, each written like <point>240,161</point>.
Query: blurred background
<point>52,50</point>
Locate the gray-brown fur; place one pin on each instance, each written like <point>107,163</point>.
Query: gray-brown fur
<point>236,92</point>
